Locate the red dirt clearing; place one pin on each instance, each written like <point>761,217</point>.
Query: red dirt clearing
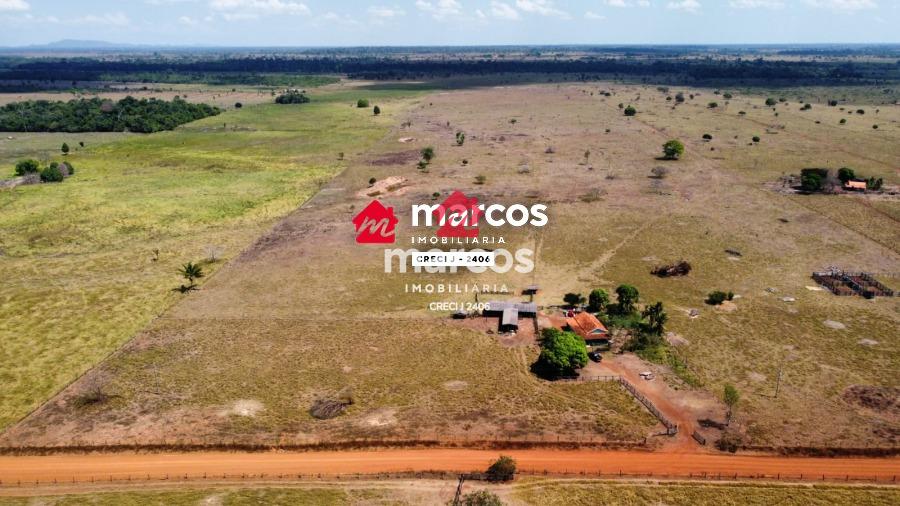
<point>81,468</point>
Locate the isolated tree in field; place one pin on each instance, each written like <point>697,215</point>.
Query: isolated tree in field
<point>679,97</point>
<point>659,172</point>
<point>376,110</point>
<point>502,469</point>
<point>771,101</point>
<point>715,298</point>
<point>673,149</point>
<point>656,318</point>
<point>630,111</point>
<point>626,297</point>
<point>191,272</point>
<point>64,149</point>
<point>598,299</point>
<point>28,166</point>
<point>730,396</point>
<point>846,174</point>
<point>562,353</point>
<point>843,121</point>
<point>587,155</point>
<point>712,105</point>
<point>727,96</point>
<point>428,154</point>
<point>362,103</point>
<point>707,137</point>
<point>238,105</point>
<point>756,138</point>
<point>460,138</point>
<point>573,299</point>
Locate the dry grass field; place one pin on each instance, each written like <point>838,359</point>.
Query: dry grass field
<point>304,313</point>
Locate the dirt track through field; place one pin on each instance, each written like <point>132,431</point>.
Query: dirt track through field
<point>103,467</point>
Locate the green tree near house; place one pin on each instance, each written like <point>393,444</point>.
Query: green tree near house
<point>598,300</point>
<point>562,353</point>
<point>656,318</point>
<point>626,296</point>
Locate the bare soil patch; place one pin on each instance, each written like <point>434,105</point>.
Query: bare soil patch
<point>885,400</point>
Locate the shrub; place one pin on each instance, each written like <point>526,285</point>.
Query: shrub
<point>480,179</point>
<point>833,103</point>
<point>771,101</point>
<point>376,110</point>
<point>679,97</point>
<point>481,498</point>
<point>860,111</point>
<point>807,106</point>
<point>875,127</point>
<point>428,154</point>
<point>292,97</point>
<point>712,105</point>
<point>362,103</point>
<point>372,181</point>
<point>238,105</point>
<point>843,121</point>
<point>630,111</point>
<point>502,469</point>
<point>673,149</point>
<point>91,397</point>
<point>728,96</point>
<point>756,138</point>
<point>715,298</point>
<point>573,299</point>
<point>707,137</point>
<point>659,172</point>
<point>460,138</point>
<point>742,113</point>
<point>52,174</point>
<point>64,148</point>
<point>28,166</point>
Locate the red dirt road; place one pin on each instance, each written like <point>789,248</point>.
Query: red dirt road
<point>122,466</point>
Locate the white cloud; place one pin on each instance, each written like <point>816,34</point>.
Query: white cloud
<point>233,10</point>
<point>756,4</point>
<point>627,3</point>
<point>440,9</point>
<point>503,11</point>
<point>843,5</point>
<point>108,19</point>
<point>332,17</point>
<point>386,12</point>
<point>593,15</point>
<point>14,5</point>
<point>542,7</point>
<point>188,21</point>
<point>684,5</point>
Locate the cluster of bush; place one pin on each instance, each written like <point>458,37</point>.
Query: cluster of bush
<point>96,115</point>
<point>292,97</point>
<point>815,180</point>
<point>32,171</point>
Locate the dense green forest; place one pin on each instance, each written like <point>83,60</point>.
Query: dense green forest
<point>96,115</point>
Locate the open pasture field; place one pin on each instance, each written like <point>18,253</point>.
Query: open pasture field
<point>305,314</point>
<point>79,262</point>
<point>525,492</point>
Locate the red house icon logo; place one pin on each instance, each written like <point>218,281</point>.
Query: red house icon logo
<point>375,224</point>
<point>459,216</point>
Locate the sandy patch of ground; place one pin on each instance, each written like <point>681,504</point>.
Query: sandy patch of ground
<point>393,184</point>
<point>868,342</point>
<point>727,307</point>
<point>243,407</point>
<point>455,385</point>
<point>834,325</point>
<point>381,418</point>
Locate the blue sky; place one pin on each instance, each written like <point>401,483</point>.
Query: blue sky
<point>449,22</point>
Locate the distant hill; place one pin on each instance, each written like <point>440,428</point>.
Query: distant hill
<point>76,44</point>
